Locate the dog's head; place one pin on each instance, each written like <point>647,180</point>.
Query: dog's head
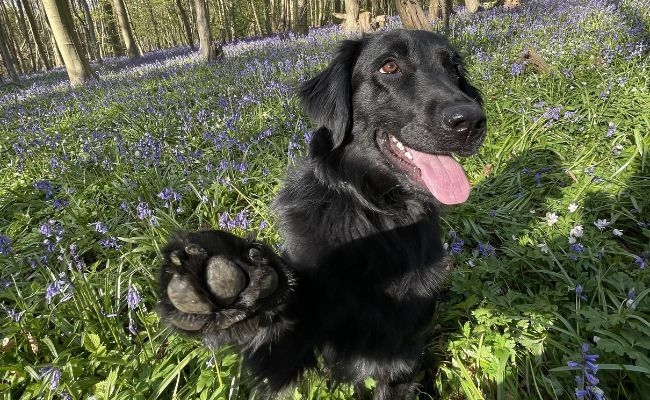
<point>401,101</point>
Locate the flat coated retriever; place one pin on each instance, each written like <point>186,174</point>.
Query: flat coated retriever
<point>355,287</point>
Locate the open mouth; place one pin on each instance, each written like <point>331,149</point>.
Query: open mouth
<point>438,173</point>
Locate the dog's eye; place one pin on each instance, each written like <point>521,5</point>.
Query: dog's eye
<point>390,67</point>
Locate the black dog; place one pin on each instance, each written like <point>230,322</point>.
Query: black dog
<point>362,257</point>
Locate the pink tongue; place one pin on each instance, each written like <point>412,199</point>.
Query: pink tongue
<point>443,176</point>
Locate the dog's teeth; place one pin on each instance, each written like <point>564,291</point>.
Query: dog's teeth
<point>400,145</point>
<point>394,139</point>
<point>408,155</point>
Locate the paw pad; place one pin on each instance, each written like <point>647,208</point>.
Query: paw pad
<point>183,295</point>
<point>225,279</point>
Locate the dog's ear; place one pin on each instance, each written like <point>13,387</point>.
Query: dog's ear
<point>327,98</point>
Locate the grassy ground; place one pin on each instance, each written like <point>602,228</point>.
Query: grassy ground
<point>549,298</point>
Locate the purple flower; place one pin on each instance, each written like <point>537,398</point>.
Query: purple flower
<point>579,289</point>
<point>485,250</point>
<point>517,69</point>
<point>45,187</point>
<point>611,129</point>
<point>110,243</point>
<point>640,261</point>
<point>143,210</point>
<point>5,245</point>
<point>51,375</point>
<point>133,297</point>
<point>60,286</point>
<point>457,246</point>
<point>100,227</point>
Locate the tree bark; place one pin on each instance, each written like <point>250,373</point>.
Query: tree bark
<point>412,15</point>
<point>62,25</point>
<point>301,25</point>
<point>472,5</point>
<point>92,38</point>
<point>185,22</point>
<point>351,23</point>
<point>132,49</point>
<point>6,55</point>
<point>266,8</point>
<point>446,11</point>
<point>435,9</point>
<point>40,47</point>
<point>111,28</point>
<point>207,52</point>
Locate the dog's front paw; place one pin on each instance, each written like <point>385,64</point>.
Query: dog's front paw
<point>213,280</point>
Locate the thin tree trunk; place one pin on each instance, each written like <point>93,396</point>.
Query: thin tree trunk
<point>156,30</point>
<point>185,22</point>
<point>446,11</point>
<point>22,24</point>
<point>6,55</point>
<point>40,47</point>
<point>111,28</point>
<point>301,25</point>
<point>132,49</point>
<point>92,37</point>
<point>257,20</point>
<point>266,9</point>
<point>76,64</point>
<point>207,52</point>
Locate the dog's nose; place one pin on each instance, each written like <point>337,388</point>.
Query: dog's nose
<point>467,120</point>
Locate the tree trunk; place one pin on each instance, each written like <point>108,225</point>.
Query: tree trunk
<point>266,8</point>
<point>185,22</point>
<point>76,63</point>
<point>22,24</point>
<point>6,55</point>
<point>40,47</point>
<point>351,23</point>
<point>258,26</point>
<point>446,11</point>
<point>92,38</point>
<point>435,9</point>
<point>412,15</point>
<point>301,24</point>
<point>472,5</point>
<point>156,30</point>
<point>132,49</point>
<point>207,52</point>
<point>111,28</point>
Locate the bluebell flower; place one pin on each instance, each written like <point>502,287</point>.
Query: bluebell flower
<point>517,69</point>
<point>100,227</point>
<point>457,246</point>
<point>5,245</point>
<point>143,210</point>
<point>133,297</point>
<point>51,375</point>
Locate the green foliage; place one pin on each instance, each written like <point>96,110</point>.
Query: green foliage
<point>94,180</point>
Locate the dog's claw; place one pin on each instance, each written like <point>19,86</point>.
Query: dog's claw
<point>175,259</point>
<point>183,295</point>
<point>225,279</point>
<point>195,250</point>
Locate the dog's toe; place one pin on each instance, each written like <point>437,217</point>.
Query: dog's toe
<point>225,279</point>
<point>184,296</point>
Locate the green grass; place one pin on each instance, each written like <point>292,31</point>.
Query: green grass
<point>511,318</point>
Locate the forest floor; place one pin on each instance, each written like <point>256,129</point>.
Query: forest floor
<point>549,296</point>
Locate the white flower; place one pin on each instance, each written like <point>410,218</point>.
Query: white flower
<point>602,224</point>
<point>543,248</point>
<point>573,207</point>
<point>551,218</point>
<point>617,232</point>
<point>572,240</point>
<point>577,231</point>
<point>596,339</point>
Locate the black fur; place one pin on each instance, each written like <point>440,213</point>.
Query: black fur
<point>362,258</point>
